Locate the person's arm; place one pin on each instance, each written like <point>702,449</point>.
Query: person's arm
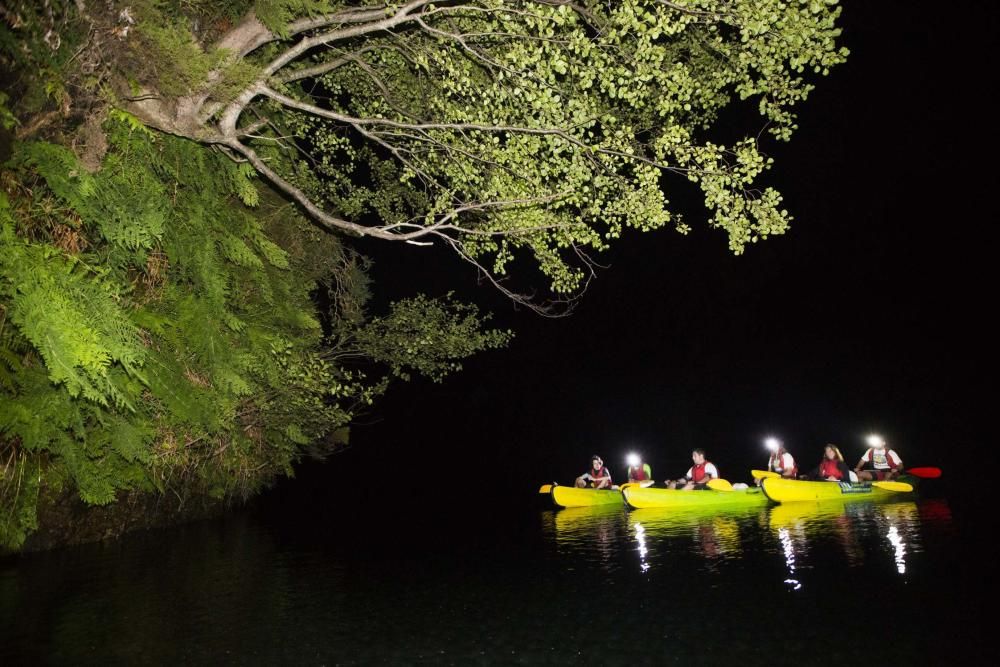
<point>895,462</point>
<point>711,471</point>
<point>862,461</point>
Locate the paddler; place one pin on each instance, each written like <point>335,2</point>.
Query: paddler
<point>638,472</point>
<point>878,462</point>
<point>832,467</point>
<point>598,477</point>
<point>780,461</point>
<point>698,475</point>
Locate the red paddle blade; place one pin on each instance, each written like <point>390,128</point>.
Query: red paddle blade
<point>925,473</point>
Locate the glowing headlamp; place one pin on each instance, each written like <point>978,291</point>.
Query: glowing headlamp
<point>875,440</point>
<point>633,459</point>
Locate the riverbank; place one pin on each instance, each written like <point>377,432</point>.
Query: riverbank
<point>65,520</point>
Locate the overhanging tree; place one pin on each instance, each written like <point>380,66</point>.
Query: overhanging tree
<point>539,128</point>
<point>157,333</point>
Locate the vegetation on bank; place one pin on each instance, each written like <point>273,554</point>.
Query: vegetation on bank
<point>181,311</point>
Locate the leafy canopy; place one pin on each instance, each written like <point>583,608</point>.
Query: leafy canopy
<point>537,129</point>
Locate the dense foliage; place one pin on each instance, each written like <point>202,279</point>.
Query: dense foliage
<point>173,172</point>
<point>157,332</point>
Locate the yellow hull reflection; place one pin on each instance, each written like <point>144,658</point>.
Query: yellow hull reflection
<point>597,534</point>
<point>569,519</point>
<point>666,520</point>
<point>802,514</point>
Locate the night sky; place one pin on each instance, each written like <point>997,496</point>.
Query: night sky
<point>870,314</point>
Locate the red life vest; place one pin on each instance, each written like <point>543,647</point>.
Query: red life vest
<point>638,474</point>
<point>777,461</point>
<point>830,468</point>
<point>698,472</point>
<point>603,473</point>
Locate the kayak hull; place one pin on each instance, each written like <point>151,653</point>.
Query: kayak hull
<point>570,496</point>
<point>782,490</point>
<point>641,498</point>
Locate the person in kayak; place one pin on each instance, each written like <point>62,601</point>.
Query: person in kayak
<point>638,472</point>
<point>780,461</point>
<point>698,475</point>
<point>832,468</point>
<point>598,477</point>
<point>878,462</point>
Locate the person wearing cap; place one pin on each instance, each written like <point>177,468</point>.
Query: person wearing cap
<point>638,472</point>
<point>598,477</point>
<point>698,475</point>
<point>878,462</point>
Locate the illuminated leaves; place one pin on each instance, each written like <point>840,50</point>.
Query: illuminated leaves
<point>556,127</point>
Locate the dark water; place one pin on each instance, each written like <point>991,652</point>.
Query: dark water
<point>295,581</point>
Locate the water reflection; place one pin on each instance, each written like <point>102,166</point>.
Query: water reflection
<point>788,549</point>
<point>852,525</point>
<point>899,545</point>
<point>795,523</point>
<point>806,536</point>
<point>901,522</point>
<point>594,534</point>
<point>664,522</point>
<point>640,538</point>
<point>712,533</point>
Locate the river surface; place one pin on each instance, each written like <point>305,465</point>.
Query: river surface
<point>301,581</point>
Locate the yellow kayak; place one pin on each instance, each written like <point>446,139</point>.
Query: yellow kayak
<point>783,490</point>
<point>570,496</point>
<point>639,498</point>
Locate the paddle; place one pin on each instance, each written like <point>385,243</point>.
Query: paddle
<point>763,474</point>
<point>719,485</point>
<point>893,486</point>
<point>925,473</point>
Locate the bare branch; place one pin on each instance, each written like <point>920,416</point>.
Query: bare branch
<point>552,308</point>
<point>322,68</point>
<point>362,28</point>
